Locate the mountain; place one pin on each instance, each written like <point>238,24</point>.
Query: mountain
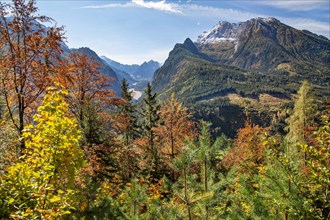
<point>124,75</point>
<point>265,44</point>
<point>105,68</point>
<point>146,70</point>
<point>143,72</point>
<point>122,67</point>
<point>249,68</point>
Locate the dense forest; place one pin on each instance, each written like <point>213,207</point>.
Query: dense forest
<point>70,149</point>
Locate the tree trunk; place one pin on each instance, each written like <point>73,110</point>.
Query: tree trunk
<point>186,194</point>
<point>205,186</point>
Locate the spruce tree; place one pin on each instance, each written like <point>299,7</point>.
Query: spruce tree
<point>207,152</point>
<point>151,121</point>
<point>127,111</point>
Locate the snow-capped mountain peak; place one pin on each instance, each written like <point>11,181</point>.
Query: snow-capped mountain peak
<point>223,31</point>
<point>267,20</point>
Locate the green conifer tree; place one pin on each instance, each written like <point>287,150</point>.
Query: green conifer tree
<point>207,153</point>
<point>151,121</point>
<point>128,113</point>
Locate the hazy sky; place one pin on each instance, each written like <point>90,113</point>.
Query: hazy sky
<point>139,30</point>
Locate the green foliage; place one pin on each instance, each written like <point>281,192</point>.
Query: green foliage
<point>151,110</point>
<point>128,115</point>
<point>185,191</point>
<point>256,176</point>
<point>150,122</point>
<point>317,163</point>
<point>9,144</point>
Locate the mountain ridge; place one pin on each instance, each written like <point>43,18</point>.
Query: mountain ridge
<point>243,42</point>
<point>140,72</point>
<point>222,78</point>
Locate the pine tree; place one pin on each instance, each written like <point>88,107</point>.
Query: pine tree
<point>151,121</point>
<point>318,170</point>
<point>126,125</point>
<point>189,194</point>
<point>207,153</point>
<point>127,117</point>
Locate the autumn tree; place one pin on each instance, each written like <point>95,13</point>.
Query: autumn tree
<point>9,144</point>
<point>42,183</point>
<point>27,56</point>
<point>175,127</point>
<point>247,154</point>
<point>318,170</point>
<point>302,116</point>
<point>244,163</point>
<point>2,107</point>
<point>90,92</point>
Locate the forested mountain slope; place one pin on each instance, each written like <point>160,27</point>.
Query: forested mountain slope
<point>254,66</point>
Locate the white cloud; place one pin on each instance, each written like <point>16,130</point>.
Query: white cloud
<point>226,14</point>
<point>293,5</point>
<point>183,9</point>
<point>111,5</point>
<point>159,5</point>
<point>233,15</point>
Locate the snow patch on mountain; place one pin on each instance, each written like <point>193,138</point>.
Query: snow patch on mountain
<point>227,32</point>
<point>222,32</point>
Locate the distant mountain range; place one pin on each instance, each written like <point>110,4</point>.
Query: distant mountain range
<point>145,71</point>
<point>136,75</point>
<point>253,66</point>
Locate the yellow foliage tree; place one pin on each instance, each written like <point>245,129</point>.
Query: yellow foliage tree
<point>176,126</point>
<point>42,183</point>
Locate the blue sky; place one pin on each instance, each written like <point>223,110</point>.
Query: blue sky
<point>133,31</point>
